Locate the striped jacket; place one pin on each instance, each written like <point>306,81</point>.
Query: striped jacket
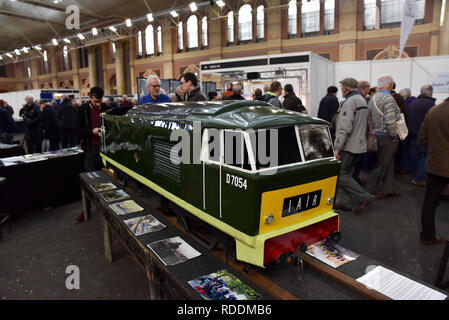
<point>385,124</point>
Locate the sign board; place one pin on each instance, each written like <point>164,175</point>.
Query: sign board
<point>439,82</point>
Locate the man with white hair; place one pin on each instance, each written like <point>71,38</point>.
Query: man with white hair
<point>384,113</point>
<point>153,85</point>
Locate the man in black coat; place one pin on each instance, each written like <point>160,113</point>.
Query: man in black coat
<point>67,115</point>
<point>236,93</point>
<point>189,83</point>
<point>87,126</point>
<point>329,104</point>
<point>415,117</point>
<point>291,101</point>
<point>33,129</point>
<point>50,125</point>
<point>7,126</point>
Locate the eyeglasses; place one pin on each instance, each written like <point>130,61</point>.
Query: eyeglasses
<point>155,85</point>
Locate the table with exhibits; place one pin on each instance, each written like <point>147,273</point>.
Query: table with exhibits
<point>38,181</point>
<point>318,281</point>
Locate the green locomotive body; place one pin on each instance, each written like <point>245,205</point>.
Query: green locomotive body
<point>213,169</point>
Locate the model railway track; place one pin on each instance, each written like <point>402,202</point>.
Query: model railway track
<point>263,282</point>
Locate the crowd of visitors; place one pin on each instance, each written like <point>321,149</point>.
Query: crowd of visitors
<point>422,154</point>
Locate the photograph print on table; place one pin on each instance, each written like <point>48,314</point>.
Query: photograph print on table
<point>222,285</point>
<point>173,250</point>
<point>114,195</point>
<point>144,225</point>
<point>103,186</point>
<point>125,207</point>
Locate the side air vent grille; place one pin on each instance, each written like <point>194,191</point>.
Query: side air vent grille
<point>162,163</point>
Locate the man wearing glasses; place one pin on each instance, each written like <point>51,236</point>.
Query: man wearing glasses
<point>154,87</point>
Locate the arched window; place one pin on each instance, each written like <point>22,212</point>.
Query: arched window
<point>260,23</point>
<point>310,17</point>
<point>204,31</point>
<point>370,15</point>
<point>292,16</point>
<point>329,16</point>
<point>139,44</point>
<point>245,23</point>
<point>231,27</point>
<point>192,32</point>
<point>149,40</point>
<point>159,40</point>
<point>180,37</point>
<point>65,54</point>
<point>392,11</point>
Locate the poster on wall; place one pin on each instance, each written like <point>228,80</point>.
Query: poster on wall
<point>439,82</point>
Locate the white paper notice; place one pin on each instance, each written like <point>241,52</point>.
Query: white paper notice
<point>398,287</point>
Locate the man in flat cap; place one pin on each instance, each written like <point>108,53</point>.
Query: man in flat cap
<point>350,141</point>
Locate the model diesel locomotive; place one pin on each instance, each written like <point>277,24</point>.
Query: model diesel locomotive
<point>264,176</point>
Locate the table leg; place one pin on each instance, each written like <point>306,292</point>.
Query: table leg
<point>107,240</point>
<point>86,205</point>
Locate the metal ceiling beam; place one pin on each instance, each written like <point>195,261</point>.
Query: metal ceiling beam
<point>25,17</point>
<point>58,8</point>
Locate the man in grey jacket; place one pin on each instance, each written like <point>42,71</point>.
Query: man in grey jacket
<point>350,141</point>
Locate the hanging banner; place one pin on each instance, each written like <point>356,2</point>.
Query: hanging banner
<point>408,19</point>
<point>439,82</point>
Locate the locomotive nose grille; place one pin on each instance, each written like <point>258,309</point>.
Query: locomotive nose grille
<point>162,163</point>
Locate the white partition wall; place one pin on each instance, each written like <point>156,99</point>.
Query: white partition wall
<point>16,99</point>
<point>410,73</point>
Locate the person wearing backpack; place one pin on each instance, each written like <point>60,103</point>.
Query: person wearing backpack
<point>291,101</point>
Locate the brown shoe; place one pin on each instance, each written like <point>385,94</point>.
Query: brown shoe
<point>436,240</point>
<point>378,196</point>
<point>361,206</point>
<point>392,195</point>
<point>339,206</point>
<point>422,184</point>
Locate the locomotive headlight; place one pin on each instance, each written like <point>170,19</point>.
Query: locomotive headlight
<point>269,218</point>
<point>330,201</point>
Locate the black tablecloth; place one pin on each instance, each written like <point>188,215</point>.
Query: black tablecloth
<point>11,150</point>
<point>37,185</point>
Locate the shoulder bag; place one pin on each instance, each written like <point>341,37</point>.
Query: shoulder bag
<point>401,126</point>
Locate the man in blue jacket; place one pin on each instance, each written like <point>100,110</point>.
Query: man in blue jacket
<point>154,87</point>
<point>415,117</point>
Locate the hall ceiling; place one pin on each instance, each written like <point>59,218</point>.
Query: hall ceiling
<point>32,22</point>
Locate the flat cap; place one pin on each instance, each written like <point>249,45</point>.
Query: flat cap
<point>350,83</point>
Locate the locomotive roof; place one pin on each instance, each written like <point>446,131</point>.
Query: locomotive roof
<point>225,114</point>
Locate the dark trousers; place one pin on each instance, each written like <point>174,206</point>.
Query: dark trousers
<point>434,189</point>
<point>382,177</point>
<point>67,137</point>
<point>34,141</point>
<point>418,155</point>
<point>348,189</point>
<point>92,159</point>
